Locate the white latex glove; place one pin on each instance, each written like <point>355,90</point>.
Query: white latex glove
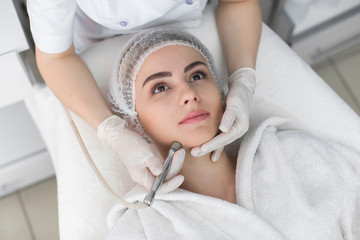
<point>138,156</point>
<point>235,121</point>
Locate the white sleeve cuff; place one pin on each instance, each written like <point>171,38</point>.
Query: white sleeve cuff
<point>53,45</point>
<point>52,24</point>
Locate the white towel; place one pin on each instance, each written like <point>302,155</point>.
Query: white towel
<point>289,185</point>
<point>186,215</point>
<point>304,186</point>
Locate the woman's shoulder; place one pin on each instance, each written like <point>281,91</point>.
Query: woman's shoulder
<point>279,154</point>
<point>288,173</point>
<point>293,142</point>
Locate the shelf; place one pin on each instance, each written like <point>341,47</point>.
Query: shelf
<point>15,84</point>
<point>318,15</point>
<point>12,37</point>
<point>24,173</point>
<point>19,136</point>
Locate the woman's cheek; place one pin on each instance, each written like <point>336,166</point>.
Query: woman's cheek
<point>155,122</point>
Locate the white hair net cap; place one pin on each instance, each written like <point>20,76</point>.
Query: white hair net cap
<point>132,57</point>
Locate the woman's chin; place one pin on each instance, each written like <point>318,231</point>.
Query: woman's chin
<point>196,140</point>
<point>188,140</point>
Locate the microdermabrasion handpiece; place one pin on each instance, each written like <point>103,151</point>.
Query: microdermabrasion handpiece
<point>149,199</point>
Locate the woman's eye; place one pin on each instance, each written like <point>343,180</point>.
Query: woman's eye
<point>159,88</point>
<point>197,76</point>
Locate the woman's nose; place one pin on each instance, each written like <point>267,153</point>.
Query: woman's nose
<point>189,95</point>
<point>194,98</point>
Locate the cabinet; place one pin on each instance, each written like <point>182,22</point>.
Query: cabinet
<point>326,30</point>
<point>313,29</point>
<point>24,158</point>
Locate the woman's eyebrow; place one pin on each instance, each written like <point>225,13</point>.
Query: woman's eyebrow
<point>157,75</point>
<point>169,74</point>
<point>192,65</point>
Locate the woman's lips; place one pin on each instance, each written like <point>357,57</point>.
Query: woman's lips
<point>195,117</point>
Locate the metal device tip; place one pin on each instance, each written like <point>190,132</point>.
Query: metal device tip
<point>176,145</point>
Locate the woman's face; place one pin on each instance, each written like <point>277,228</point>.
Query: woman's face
<point>177,98</point>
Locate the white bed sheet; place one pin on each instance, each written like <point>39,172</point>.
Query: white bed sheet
<point>287,87</point>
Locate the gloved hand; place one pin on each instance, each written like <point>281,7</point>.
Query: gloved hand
<point>138,156</point>
<point>235,121</point>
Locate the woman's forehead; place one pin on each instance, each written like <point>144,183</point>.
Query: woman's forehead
<point>171,58</point>
<point>177,52</point>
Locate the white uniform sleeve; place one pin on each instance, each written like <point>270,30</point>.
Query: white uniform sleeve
<point>52,24</point>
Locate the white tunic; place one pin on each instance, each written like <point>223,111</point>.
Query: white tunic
<point>56,24</point>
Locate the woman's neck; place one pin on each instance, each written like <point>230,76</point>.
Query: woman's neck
<point>215,179</point>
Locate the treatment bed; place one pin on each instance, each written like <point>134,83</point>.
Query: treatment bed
<point>287,87</point>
